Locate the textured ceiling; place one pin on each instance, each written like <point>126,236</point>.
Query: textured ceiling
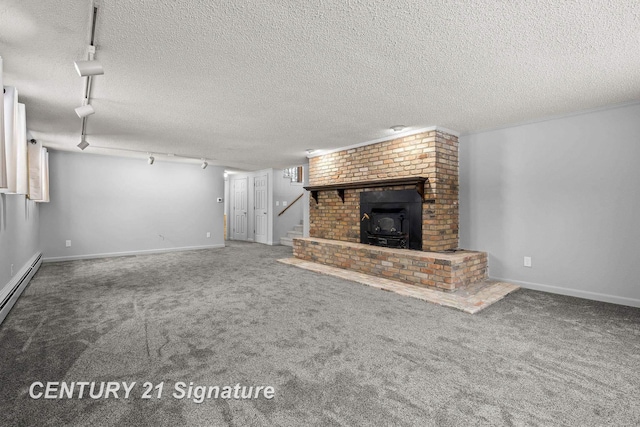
<point>253,84</point>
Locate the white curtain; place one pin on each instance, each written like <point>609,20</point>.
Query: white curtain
<point>15,143</point>
<point>22,168</point>
<point>3,162</point>
<point>45,175</point>
<point>10,136</point>
<point>38,173</point>
<point>34,152</point>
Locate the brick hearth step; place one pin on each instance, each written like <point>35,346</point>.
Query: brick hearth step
<point>445,271</point>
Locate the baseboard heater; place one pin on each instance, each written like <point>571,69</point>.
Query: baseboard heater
<point>17,286</point>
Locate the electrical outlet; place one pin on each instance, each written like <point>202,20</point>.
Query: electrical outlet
<point>284,203</point>
<point>67,243</point>
<point>527,261</point>
<point>208,234</point>
<point>277,203</point>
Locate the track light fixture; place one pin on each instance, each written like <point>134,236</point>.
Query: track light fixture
<point>89,68</point>
<point>151,156</point>
<point>85,110</point>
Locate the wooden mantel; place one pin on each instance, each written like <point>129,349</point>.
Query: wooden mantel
<point>418,181</point>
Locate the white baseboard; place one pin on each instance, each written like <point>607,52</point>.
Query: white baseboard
<point>129,253</point>
<point>632,302</point>
<point>11,291</point>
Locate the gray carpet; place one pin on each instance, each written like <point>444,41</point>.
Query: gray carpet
<point>336,352</point>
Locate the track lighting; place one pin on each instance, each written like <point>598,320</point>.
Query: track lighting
<point>85,110</point>
<point>89,68</point>
<point>151,156</point>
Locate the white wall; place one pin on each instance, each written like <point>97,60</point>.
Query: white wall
<point>565,191</point>
<point>286,191</point>
<point>111,205</point>
<point>19,240</point>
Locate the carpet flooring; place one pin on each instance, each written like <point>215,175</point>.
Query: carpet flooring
<point>336,352</point>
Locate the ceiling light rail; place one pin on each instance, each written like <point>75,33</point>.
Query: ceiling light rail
<point>152,156</point>
<point>87,69</point>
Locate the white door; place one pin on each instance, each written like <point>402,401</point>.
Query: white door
<point>261,206</point>
<point>239,209</point>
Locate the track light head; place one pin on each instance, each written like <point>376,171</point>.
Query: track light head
<point>89,68</point>
<point>85,110</point>
<point>151,159</point>
<point>83,144</point>
<point>204,164</point>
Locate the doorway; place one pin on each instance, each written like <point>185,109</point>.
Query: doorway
<point>239,208</point>
<point>260,207</point>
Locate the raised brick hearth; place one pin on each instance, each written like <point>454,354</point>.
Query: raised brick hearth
<point>427,163</point>
<point>445,271</point>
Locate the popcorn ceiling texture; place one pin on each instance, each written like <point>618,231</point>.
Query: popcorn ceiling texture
<point>254,84</point>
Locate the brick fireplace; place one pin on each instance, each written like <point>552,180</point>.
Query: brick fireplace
<point>423,166</point>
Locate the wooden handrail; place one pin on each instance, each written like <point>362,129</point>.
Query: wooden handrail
<point>291,204</point>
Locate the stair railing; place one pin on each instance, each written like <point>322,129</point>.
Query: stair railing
<point>291,204</point>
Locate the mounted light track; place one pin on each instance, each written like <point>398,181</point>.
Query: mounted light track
<point>89,68</point>
<point>85,110</point>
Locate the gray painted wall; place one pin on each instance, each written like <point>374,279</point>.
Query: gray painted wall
<point>285,190</point>
<point>111,205</point>
<point>19,239</point>
<point>565,192</point>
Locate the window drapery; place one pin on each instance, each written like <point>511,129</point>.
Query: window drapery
<point>38,158</point>
<point>24,167</point>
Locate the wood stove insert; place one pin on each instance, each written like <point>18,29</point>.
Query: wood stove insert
<point>391,219</point>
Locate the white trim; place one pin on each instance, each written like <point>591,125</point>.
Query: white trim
<point>554,117</point>
<point>632,302</point>
<point>31,267</point>
<point>129,253</point>
<point>386,138</point>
